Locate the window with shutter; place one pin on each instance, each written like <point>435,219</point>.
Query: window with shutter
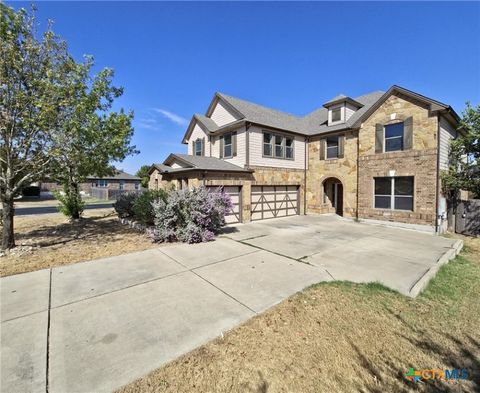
<point>394,137</point>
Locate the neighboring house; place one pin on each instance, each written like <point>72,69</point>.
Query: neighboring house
<point>377,156</point>
<point>120,181</point>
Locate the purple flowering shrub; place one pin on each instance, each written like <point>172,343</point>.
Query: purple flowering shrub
<point>190,216</point>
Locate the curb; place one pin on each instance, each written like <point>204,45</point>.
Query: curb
<point>423,281</point>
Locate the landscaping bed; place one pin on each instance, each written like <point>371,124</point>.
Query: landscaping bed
<point>50,240</point>
<point>343,337</point>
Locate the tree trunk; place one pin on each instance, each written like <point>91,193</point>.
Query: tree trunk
<point>8,239</point>
<point>74,195</point>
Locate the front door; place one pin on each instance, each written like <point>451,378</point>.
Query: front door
<point>338,199</point>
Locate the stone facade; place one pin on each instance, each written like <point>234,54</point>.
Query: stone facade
<point>344,169</point>
<point>419,162</point>
<point>355,171</point>
<point>262,176</point>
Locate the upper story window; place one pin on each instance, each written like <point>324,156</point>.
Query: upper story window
<point>332,146</point>
<point>336,115</point>
<point>395,193</point>
<point>394,137</point>
<point>278,146</point>
<point>198,147</point>
<point>227,145</point>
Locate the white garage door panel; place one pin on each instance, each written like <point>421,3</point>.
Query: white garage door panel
<point>274,201</point>
<point>235,194</point>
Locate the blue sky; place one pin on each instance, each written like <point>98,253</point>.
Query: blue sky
<point>172,57</point>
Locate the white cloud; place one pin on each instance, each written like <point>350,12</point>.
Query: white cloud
<point>173,117</point>
<point>149,124</point>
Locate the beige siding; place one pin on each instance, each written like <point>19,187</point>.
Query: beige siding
<point>221,115</point>
<point>256,152</point>
<point>349,111</point>
<point>215,146</point>
<point>241,158</point>
<point>198,133</point>
<point>447,133</point>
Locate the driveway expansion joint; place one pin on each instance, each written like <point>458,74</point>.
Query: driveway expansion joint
<point>213,285</point>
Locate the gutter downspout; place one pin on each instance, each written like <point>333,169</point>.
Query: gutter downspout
<point>437,186</point>
<point>305,178</point>
<point>358,172</point>
<point>247,145</point>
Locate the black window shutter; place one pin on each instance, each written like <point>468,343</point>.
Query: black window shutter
<point>221,146</point>
<point>193,148</point>
<point>322,148</point>
<point>203,146</point>
<point>234,143</point>
<point>341,146</point>
<point>408,133</point>
<point>378,138</point>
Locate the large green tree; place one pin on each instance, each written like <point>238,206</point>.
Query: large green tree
<point>89,135</point>
<point>464,170</point>
<point>143,174</point>
<point>28,106</point>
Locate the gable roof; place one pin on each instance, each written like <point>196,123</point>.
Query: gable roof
<point>313,123</point>
<point>119,175</point>
<point>199,163</point>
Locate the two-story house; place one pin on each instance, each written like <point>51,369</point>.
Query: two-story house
<point>377,157</point>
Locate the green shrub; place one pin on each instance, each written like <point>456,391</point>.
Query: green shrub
<point>190,216</point>
<point>143,205</point>
<point>124,205</point>
<point>71,204</point>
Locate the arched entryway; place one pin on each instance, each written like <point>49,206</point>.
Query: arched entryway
<point>333,194</point>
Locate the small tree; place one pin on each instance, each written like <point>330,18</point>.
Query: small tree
<point>464,171</point>
<point>29,74</point>
<point>88,136</point>
<point>143,174</point>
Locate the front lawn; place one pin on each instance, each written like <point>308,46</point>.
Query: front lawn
<point>343,337</point>
<point>49,240</point>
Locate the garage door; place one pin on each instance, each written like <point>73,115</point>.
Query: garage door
<point>274,201</point>
<point>235,192</point>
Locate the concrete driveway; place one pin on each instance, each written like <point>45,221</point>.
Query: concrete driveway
<point>95,326</point>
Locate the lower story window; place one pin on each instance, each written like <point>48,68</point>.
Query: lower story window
<point>394,193</point>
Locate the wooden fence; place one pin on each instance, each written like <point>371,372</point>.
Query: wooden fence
<point>467,217</point>
<point>111,194</point>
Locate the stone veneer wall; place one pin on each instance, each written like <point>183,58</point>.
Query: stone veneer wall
<point>344,169</point>
<point>262,176</point>
<point>420,161</point>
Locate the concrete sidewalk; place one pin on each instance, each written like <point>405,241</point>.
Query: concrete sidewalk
<point>110,321</point>
<point>95,326</point>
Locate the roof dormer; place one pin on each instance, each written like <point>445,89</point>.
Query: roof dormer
<point>340,109</point>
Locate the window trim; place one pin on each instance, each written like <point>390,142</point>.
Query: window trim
<point>198,140</point>
<point>326,147</point>
<point>230,144</point>
<point>342,108</point>
<point>392,194</point>
<point>104,181</point>
<point>395,137</point>
<point>273,145</point>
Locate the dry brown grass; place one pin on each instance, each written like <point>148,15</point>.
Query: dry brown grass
<point>49,240</point>
<point>342,337</point>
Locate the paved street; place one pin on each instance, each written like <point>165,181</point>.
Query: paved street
<point>25,211</point>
